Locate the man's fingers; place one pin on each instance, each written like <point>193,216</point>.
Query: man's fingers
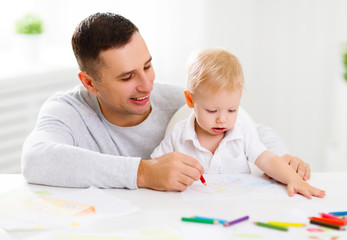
<point>185,180</point>
<point>192,162</point>
<point>307,175</point>
<point>190,172</point>
<point>299,166</point>
<point>301,170</point>
<point>294,163</point>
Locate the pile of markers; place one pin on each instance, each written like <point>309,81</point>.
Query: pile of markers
<point>334,220</point>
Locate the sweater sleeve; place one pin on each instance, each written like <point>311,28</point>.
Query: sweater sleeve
<point>271,140</point>
<point>56,153</point>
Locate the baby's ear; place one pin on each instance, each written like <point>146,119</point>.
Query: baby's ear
<point>189,98</point>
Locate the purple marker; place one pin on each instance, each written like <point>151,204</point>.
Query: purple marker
<point>227,224</point>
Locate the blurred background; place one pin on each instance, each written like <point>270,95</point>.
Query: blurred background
<point>291,52</point>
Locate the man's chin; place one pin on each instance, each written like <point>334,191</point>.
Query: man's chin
<point>144,111</point>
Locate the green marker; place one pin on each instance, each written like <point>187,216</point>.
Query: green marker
<point>271,226</point>
<point>200,220</point>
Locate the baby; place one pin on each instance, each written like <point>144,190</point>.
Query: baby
<point>214,136</point>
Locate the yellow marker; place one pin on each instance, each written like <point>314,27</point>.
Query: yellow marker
<point>287,224</point>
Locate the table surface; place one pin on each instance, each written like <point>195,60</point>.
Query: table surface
<point>166,208</point>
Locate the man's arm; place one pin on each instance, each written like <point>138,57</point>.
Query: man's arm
<point>48,158</point>
<point>68,150</point>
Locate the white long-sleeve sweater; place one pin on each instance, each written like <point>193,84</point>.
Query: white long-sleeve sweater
<point>73,145</point>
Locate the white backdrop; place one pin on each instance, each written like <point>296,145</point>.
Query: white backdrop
<point>290,51</point>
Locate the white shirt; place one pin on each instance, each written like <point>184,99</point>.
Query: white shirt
<point>237,147</point>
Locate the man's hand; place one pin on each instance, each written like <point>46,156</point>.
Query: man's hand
<point>170,172</point>
<point>302,168</point>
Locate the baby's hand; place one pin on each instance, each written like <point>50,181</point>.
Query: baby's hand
<point>305,189</point>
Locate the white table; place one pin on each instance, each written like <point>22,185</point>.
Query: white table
<point>167,208</point>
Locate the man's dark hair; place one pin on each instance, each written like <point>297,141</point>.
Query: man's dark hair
<point>99,32</point>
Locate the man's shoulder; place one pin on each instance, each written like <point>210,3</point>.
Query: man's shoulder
<point>167,95</point>
<point>74,100</point>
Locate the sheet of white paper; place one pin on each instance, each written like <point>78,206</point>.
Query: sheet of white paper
<point>235,186</point>
<point>29,211</point>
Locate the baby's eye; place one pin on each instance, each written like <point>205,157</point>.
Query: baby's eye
<point>232,110</point>
<point>211,111</point>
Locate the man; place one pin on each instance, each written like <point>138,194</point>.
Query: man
<point>100,134</point>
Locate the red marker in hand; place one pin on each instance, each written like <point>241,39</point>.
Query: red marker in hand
<point>202,179</point>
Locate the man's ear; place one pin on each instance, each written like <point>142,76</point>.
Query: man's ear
<point>189,98</point>
<point>88,82</point>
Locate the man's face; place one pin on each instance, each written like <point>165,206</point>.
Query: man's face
<point>126,82</point>
<point>216,113</point>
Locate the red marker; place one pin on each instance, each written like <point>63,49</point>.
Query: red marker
<point>202,179</point>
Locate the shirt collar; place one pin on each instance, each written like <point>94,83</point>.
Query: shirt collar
<point>189,130</point>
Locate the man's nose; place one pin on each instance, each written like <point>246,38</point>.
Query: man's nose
<point>145,83</point>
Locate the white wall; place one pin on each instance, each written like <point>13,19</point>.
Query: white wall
<point>290,52</point>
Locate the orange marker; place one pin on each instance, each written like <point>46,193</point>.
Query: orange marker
<point>327,215</point>
<point>328,220</point>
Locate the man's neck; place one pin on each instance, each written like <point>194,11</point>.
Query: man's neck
<point>123,119</point>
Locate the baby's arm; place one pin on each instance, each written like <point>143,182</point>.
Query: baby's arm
<point>278,169</point>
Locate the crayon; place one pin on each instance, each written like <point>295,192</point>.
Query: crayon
<point>227,224</point>
<point>338,213</point>
<point>222,221</point>
<point>202,179</point>
<point>327,215</point>
<point>329,220</point>
<point>271,226</point>
<point>287,224</point>
<point>329,225</point>
<point>197,220</point>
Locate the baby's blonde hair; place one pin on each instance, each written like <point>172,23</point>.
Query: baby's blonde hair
<point>216,69</point>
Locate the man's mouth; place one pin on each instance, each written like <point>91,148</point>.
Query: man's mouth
<point>141,98</point>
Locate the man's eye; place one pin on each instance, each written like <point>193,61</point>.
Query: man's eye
<point>127,78</point>
<point>147,67</point>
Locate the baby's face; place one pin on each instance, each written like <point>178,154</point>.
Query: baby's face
<point>216,113</point>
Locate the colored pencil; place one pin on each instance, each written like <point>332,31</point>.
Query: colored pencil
<point>338,213</point>
<point>287,224</point>
<point>271,226</point>
<point>197,220</point>
<point>327,215</point>
<point>329,225</point>
<point>222,221</point>
<point>328,220</point>
<point>203,181</point>
<point>227,224</point>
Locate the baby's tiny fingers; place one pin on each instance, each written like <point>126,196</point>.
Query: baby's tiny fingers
<point>317,192</point>
<point>305,192</point>
<point>291,190</point>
